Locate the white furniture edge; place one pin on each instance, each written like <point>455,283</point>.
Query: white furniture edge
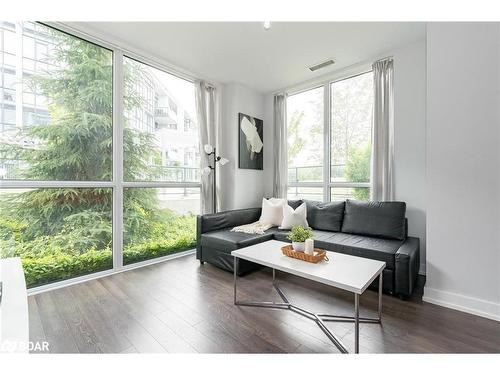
<point>264,248</point>
<point>239,253</point>
<point>14,321</point>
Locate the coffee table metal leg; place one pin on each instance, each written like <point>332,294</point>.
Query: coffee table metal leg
<point>235,266</point>
<point>320,319</point>
<point>380,298</point>
<point>356,323</point>
<point>330,335</point>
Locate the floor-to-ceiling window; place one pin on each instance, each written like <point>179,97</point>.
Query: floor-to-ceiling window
<point>329,131</point>
<point>161,163</point>
<point>97,167</point>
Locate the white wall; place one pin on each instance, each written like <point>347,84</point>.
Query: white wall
<point>240,188</point>
<point>409,118</point>
<point>463,167</point>
<point>409,141</point>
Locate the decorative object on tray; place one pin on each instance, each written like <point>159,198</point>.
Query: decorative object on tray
<point>298,235</point>
<point>309,250</point>
<point>317,256</point>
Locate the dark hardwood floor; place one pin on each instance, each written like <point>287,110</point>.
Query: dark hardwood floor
<point>182,306</point>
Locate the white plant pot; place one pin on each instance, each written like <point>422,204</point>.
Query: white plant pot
<point>299,246</point>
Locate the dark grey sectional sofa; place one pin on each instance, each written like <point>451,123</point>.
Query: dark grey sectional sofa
<point>375,230</point>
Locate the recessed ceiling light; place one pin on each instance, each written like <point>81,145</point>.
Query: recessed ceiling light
<point>267,25</point>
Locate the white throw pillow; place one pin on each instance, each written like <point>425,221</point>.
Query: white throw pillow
<point>272,211</point>
<point>295,217</point>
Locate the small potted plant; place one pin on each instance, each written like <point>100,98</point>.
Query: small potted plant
<point>298,235</point>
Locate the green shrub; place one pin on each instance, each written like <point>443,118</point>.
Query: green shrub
<point>72,253</point>
<point>59,265</point>
<point>171,234</point>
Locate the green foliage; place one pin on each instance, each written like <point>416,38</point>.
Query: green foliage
<point>295,141</point>
<point>69,254</point>
<point>300,234</point>
<point>358,169</point>
<point>59,264</point>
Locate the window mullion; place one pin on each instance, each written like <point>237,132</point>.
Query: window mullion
<point>326,145</point>
<point>117,159</point>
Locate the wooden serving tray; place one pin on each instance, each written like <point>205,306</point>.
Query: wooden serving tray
<point>318,256</point>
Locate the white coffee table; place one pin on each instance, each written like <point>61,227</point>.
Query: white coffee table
<point>342,271</point>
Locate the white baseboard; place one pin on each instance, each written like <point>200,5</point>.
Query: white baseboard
<point>471,305</point>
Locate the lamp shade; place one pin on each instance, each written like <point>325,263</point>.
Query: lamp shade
<point>208,149</point>
<point>223,161</point>
<point>206,171</point>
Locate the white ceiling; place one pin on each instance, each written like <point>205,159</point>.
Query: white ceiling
<point>269,60</point>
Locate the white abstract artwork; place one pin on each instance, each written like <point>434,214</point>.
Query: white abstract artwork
<point>251,142</point>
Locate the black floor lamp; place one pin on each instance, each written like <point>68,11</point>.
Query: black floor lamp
<point>210,151</point>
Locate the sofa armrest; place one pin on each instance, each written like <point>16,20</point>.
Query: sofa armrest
<point>222,220</point>
<point>407,266</point>
<point>228,219</point>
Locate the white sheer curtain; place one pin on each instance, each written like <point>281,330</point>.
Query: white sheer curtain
<point>206,108</point>
<point>280,147</point>
<point>383,131</point>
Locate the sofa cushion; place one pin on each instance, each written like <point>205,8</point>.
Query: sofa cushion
<point>295,203</point>
<point>382,249</point>
<point>325,216</point>
<point>376,219</point>
<point>280,235</point>
<point>229,241</point>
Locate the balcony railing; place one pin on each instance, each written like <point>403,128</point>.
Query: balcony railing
<point>161,111</point>
<point>175,174</point>
<point>165,117</point>
<point>9,169</point>
<point>314,173</point>
<point>165,112</point>
<point>12,170</point>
